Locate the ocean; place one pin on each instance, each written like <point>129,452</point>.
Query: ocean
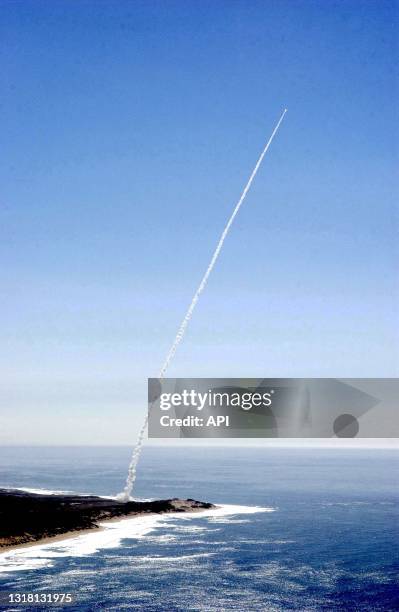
<point>298,529</point>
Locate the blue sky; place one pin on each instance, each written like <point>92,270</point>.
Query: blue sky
<point>128,132</point>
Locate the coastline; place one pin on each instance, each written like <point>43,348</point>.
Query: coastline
<point>67,535</point>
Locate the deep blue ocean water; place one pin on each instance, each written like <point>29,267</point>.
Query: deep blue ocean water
<point>331,543</point>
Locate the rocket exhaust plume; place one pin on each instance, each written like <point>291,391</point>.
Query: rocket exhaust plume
<point>131,477</point>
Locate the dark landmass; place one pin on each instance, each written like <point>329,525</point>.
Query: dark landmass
<point>30,517</point>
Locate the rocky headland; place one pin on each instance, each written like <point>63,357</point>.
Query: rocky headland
<point>31,517</point>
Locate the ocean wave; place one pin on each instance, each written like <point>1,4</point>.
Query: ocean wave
<point>111,535</point>
<point>42,491</point>
<point>155,559</point>
<point>358,503</point>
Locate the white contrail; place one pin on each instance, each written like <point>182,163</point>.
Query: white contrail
<point>182,329</point>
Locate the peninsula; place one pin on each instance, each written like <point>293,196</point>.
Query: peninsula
<point>27,518</point>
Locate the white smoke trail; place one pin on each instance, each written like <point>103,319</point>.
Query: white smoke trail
<point>182,329</point>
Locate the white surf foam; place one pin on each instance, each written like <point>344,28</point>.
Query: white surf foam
<point>77,493</point>
<point>41,491</point>
<point>112,533</point>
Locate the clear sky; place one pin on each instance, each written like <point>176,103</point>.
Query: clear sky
<point>128,132</point>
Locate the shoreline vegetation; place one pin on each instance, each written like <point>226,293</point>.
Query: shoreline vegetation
<point>33,518</point>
